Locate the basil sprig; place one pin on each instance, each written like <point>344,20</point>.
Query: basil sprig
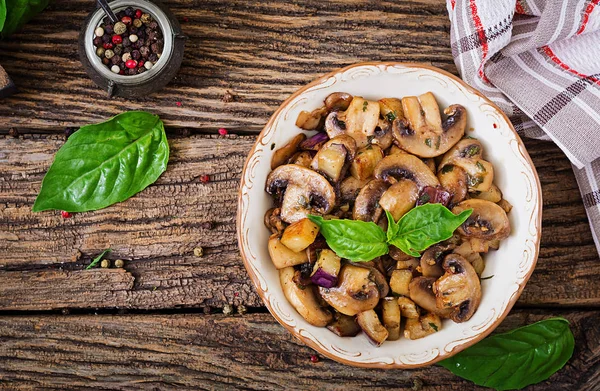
<point>15,13</point>
<point>516,359</point>
<point>417,230</point>
<point>105,163</point>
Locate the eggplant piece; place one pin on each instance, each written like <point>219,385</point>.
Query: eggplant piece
<point>372,327</point>
<point>315,142</point>
<point>343,325</point>
<point>326,270</point>
<point>366,160</point>
<point>282,256</point>
<point>298,236</point>
<point>390,311</point>
<point>400,281</point>
<point>408,308</point>
<point>422,327</point>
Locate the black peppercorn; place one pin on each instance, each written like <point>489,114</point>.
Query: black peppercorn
<point>120,14</point>
<point>118,49</point>
<point>98,41</point>
<point>116,59</point>
<point>141,70</point>
<point>133,30</point>
<point>122,66</point>
<point>141,42</point>
<point>106,38</point>
<point>153,25</point>
<point>153,57</point>
<point>109,29</point>
<point>129,11</point>
<point>157,48</point>
<point>126,42</point>
<point>136,55</point>
<point>132,71</point>
<point>127,49</point>
<point>105,61</point>
<point>145,51</point>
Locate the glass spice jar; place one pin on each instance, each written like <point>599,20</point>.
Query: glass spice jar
<point>137,85</point>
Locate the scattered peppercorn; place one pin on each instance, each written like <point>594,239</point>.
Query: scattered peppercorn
<point>137,36</point>
<point>227,309</point>
<point>198,252</point>
<point>223,132</point>
<point>178,104</point>
<point>242,310</point>
<point>13,132</point>
<point>417,384</point>
<point>228,97</point>
<point>105,263</point>
<point>119,263</point>
<point>66,215</point>
<point>204,179</point>
<point>186,19</point>
<point>314,358</point>
<point>207,225</point>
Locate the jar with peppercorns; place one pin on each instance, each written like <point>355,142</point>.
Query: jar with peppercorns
<point>136,55</point>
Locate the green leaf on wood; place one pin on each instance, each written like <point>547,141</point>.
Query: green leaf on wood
<point>19,12</point>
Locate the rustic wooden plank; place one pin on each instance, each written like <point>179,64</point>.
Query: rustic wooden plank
<point>213,352</point>
<point>157,230</point>
<point>259,51</point>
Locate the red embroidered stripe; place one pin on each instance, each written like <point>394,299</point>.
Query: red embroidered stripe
<point>482,38</point>
<point>586,15</point>
<point>567,68</point>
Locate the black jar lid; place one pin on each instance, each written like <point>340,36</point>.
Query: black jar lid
<point>140,85</point>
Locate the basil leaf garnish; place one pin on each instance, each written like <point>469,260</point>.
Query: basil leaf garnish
<point>2,13</point>
<point>424,226</point>
<point>105,163</point>
<point>19,12</point>
<point>353,239</point>
<point>516,359</point>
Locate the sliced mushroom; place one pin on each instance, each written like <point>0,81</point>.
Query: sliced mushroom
<point>383,134</point>
<point>421,292</point>
<point>454,179</point>
<point>366,160</point>
<point>311,120</point>
<point>467,154</point>
<point>304,191</point>
<point>332,157</point>
<point>303,300</point>
<point>334,125</point>
<point>356,291</point>
<point>344,325</point>
<point>366,205</point>
<point>405,166</point>
<point>285,153</point>
<point>273,221</point>
<point>493,194</point>
<point>391,108</point>
<point>361,119</point>
<point>282,257</point>
<point>377,277</point>
<point>350,187</point>
<point>488,220</point>
<point>400,198</point>
<point>423,133</point>
<point>458,289</point>
<point>338,101</point>
<point>432,258</point>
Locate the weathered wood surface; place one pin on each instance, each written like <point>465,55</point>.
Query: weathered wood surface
<point>260,51</point>
<point>216,352</point>
<point>42,256</point>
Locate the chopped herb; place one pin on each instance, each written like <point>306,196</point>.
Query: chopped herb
<point>473,181</point>
<point>470,137</point>
<point>428,142</point>
<point>433,326</point>
<point>424,198</point>
<point>98,259</point>
<point>437,142</point>
<point>472,150</point>
<point>391,116</point>
<point>480,166</point>
<point>365,104</point>
<point>447,168</point>
<point>272,146</point>
<point>486,278</point>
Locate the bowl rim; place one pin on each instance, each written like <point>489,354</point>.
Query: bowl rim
<point>442,354</point>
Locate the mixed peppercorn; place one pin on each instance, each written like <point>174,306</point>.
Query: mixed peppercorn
<point>131,46</point>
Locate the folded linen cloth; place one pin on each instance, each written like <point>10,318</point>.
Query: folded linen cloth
<point>539,61</point>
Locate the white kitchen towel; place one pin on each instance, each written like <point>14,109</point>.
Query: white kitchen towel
<point>539,61</point>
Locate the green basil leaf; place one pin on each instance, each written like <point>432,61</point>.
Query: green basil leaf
<point>105,163</point>
<point>97,259</point>
<point>426,225</point>
<point>353,239</point>
<point>19,12</point>
<point>393,227</point>
<point>2,13</point>
<point>516,359</point>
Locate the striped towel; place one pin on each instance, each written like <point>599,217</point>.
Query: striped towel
<point>539,61</point>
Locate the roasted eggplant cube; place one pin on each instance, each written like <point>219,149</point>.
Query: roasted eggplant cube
<point>390,311</point>
<point>344,325</point>
<point>300,235</point>
<point>400,281</point>
<point>283,256</point>
<point>326,270</point>
<point>370,324</point>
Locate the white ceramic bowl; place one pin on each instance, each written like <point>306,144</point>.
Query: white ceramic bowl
<point>511,265</point>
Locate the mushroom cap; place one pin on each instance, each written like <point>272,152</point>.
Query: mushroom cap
<point>421,292</point>
<point>422,132</point>
<point>355,292</point>
<point>303,300</point>
<point>454,179</point>
<point>306,191</point>
<point>334,126</point>
<point>338,101</point>
<point>467,154</point>
<point>366,205</point>
<point>400,198</point>
<point>408,167</point>
<point>432,259</point>
<point>488,220</point>
<point>350,187</point>
<point>361,119</point>
<point>459,288</point>
<point>285,153</point>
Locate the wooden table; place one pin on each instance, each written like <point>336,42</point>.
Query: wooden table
<point>158,323</point>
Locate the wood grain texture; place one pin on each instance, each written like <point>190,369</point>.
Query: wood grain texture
<point>42,256</point>
<point>259,51</point>
<point>216,352</point>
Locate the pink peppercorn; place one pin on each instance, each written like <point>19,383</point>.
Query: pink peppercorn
<point>126,20</point>
<point>223,132</point>
<point>178,104</point>
<point>117,39</point>
<point>107,45</point>
<point>65,214</point>
<point>138,13</point>
<point>131,64</point>
<point>204,179</point>
<point>314,358</point>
